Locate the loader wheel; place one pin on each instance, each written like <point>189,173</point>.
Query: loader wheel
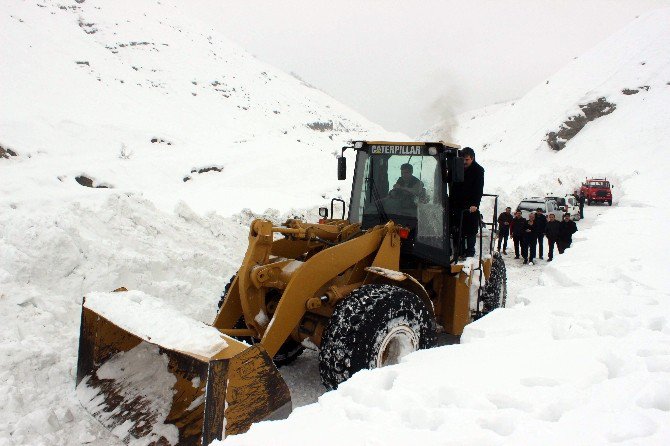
<point>494,294</point>
<point>376,325</point>
<point>288,352</point>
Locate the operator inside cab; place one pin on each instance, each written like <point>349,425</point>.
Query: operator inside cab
<point>405,194</point>
<point>408,188</point>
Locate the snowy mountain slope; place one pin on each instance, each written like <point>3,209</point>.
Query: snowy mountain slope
<point>584,356</point>
<point>629,70</point>
<point>136,96</point>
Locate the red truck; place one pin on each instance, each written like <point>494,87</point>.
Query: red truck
<point>597,190</point>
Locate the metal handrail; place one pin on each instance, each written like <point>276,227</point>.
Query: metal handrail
<point>480,267</point>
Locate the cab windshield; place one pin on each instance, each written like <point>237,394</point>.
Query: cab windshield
<point>406,189</point>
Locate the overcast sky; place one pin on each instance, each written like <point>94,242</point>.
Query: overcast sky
<point>407,64</point>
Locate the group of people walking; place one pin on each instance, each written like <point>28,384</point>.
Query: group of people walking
<point>528,234</point>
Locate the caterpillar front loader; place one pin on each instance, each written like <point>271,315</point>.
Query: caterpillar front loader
<point>364,290</point>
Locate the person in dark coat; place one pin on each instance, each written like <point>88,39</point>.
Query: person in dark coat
<point>551,231</point>
<point>517,229</point>
<point>465,199</point>
<point>530,239</point>
<point>566,229</point>
<point>407,189</point>
<point>504,221</point>
<point>541,221</point>
<point>581,200</point>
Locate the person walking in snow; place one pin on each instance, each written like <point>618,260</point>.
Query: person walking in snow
<point>465,199</point>
<point>581,200</point>
<point>517,230</point>
<point>551,231</point>
<point>541,222</point>
<point>504,221</point>
<point>566,229</point>
<point>530,239</point>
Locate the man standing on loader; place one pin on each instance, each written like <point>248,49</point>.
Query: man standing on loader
<point>465,199</point>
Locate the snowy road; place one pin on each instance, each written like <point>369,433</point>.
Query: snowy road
<point>303,378</point>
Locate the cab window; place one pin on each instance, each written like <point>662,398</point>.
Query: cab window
<point>413,199</point>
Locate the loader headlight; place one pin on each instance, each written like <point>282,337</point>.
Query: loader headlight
<point>358,145</point>
<point>432,151</point>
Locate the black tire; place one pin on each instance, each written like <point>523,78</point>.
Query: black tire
<point>609,202</point>
<point>288,352</point>
<point>588,202</point>
<point>371,319</point>
<point>494,294</point>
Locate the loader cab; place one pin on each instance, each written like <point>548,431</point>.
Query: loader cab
<point>407,183</point>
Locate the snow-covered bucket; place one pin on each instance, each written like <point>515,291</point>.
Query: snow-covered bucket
<point>153,376</point>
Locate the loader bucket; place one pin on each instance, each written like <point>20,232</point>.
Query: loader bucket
<point>148,393</point>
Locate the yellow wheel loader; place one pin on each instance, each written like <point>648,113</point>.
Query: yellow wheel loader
<point>364,290</point>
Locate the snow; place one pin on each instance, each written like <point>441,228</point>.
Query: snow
<point>152,320</point>
<point>580,356</point>
<point>140,373</point>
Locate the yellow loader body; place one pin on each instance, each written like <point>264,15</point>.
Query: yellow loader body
<point>299,285</point>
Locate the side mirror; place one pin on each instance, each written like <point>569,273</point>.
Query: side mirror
<point>611,186</point>
<point>456,170</point>
<point>342,168</point>
<point>323,212</point>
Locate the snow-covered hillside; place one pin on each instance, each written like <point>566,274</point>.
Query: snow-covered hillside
<point>584,355</point>
<point>136,96</point>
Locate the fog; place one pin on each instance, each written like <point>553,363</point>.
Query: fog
<point>409,64</point>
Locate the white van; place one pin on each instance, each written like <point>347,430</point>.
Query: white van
<point>549,206</point>
<point>567,203</point>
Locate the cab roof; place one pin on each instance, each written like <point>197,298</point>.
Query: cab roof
<point>413,143</point>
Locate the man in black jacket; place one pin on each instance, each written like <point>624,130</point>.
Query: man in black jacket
<point>517,228</point>
<point>581,200</point>
<point>541,222</point>
<point>504,221</point>
<point>565,231</point>
<point>465,199</point>
<point>551,231</point>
